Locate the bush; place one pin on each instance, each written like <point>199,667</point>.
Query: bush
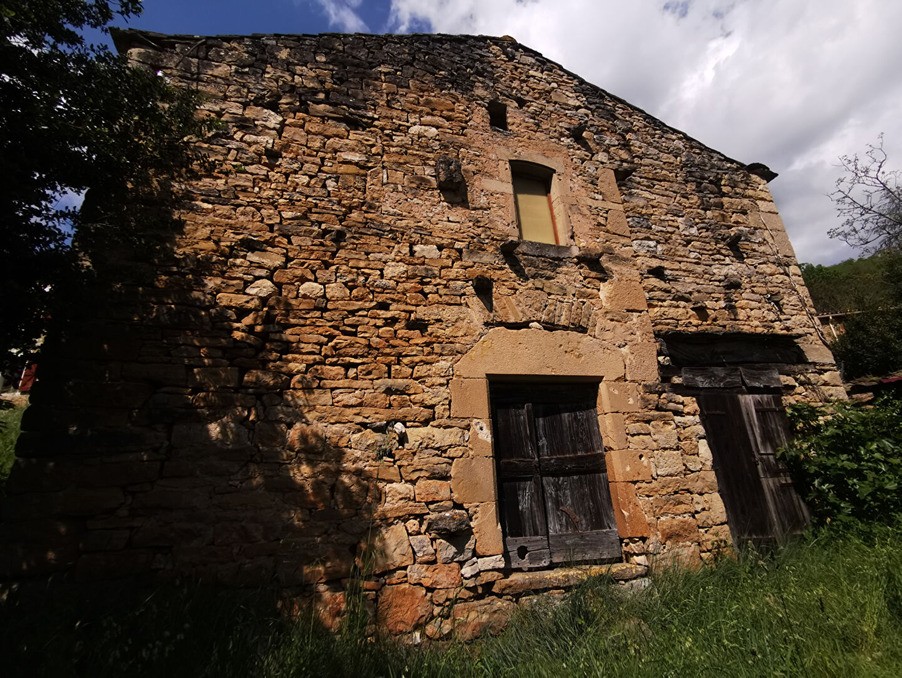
<point>847,459</point>
<point>870,345</point>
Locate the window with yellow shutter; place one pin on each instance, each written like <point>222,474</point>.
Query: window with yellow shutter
<point>532,194</point>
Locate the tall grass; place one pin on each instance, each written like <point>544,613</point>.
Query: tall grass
<point>827,606</point>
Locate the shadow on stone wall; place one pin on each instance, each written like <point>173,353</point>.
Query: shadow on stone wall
<point>169,438</point>
<point>173,433</point>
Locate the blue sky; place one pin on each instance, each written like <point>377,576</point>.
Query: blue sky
<point>791,83</point>
<point>211,17</point>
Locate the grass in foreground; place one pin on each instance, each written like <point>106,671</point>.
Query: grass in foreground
<point>828,606</point>
<point>10,419</point>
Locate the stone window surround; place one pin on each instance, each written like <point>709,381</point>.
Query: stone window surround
<point>536,353</point>
<point>542,218</point>
<point>559,167</point>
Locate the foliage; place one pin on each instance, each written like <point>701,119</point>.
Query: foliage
<point>847,459</point>
<point>868,197</point>
<point>830,605</point>
<point>74,118</point>
<point>851,285</point>
<point>871,344</point>
<point>10,419</point>
<point>870,291</point>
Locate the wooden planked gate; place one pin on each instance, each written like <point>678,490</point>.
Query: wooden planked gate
<point>744,432</point>
<point>553,485</point>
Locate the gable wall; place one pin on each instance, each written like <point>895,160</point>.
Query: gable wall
<point>233,420</point>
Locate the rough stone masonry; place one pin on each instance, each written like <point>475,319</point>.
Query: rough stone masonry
<point>304,390</point>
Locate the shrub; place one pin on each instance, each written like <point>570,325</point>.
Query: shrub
<point>847,459</point>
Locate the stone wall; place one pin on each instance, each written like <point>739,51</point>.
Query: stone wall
<point>298,393</point>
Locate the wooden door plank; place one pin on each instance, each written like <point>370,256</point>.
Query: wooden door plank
<point>735,466</point>
<point>527,552</point>
<point>771,431</point>
<point>594,545</point>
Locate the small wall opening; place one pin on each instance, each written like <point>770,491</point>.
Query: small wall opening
<point>497,115</point>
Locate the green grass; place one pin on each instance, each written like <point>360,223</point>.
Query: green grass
<point>827,606</point>
<point>10,419</point>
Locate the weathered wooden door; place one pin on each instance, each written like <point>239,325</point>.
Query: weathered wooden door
<point>744,432</point>
<point>555,503</point>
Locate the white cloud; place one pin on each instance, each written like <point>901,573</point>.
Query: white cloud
<point>790,84</point>
<point>343,15</point>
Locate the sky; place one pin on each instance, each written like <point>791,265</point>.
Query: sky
<point>793,84</point>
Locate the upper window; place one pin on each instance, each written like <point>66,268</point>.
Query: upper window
<point>532,194</point>
<point>555,504</point>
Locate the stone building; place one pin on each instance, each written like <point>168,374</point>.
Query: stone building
<point>441,317</point>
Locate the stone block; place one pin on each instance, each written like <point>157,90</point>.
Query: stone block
<point>471,620</point>
<point>487,530</point>
<point>613,431</point>
<point>402,608</point>
<point>433,490</point>
<point>628,513</point>
<point>480,439</point>
<point>473,480</point>
<point>627,466</point>
<point>617,223</point>
<point>564,577</point>
<point>455,548</point>
<point>619,396</point>
<point>678,529</point>
<point>395,493</point>
<point>391,549</point>
<point>167,375</point>
<point>90,502</point>
<point>454,521</point>
<point>262,288</point>
<point>686,556</point>
<point>717,537</point>
<point>777,231</point>
<point>469,398</point>
<point>642,362</point>
<point>714,513</point>
<point>623,295</point>
<point>431,437</point>
<point>506,310</point>
<point>422,548</point>
<point>311,290</point>
<point>668,463</point>
<point>243,302</point>
<point>673,504</point>
<point>539,353</point>
<point>607,185</point>
<point>440,576</point>
<point>329,607</point>
<point>816,352</point>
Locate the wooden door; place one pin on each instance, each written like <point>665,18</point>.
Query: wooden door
<point>555,501</point>
<point>744,432</point>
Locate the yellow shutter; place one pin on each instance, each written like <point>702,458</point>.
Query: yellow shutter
<point>534,209</point>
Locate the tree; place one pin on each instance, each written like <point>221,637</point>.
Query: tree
<point>74,118</point>
<point>869,199</point>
